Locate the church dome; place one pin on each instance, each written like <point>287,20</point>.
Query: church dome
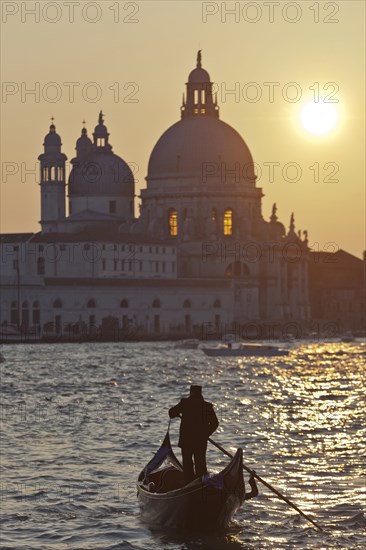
<point>97,171</point>
<point>101,174</point>
<point>184,148</point>
<point>200,145</point>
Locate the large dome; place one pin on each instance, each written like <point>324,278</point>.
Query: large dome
<point>184,148</point>
<point>101,174</point>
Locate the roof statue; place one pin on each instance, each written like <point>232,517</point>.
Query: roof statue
<point>274,210</point>
<point>199,59</point>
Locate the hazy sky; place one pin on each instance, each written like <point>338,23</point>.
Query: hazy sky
<point>132,60</point>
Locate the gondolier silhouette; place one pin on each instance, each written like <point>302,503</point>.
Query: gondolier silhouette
<point>199,421</point>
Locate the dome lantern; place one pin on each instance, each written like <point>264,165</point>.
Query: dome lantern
<point>199,93</point>
<point>101,135</point>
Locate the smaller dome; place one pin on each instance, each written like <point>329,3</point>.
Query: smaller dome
<point>100,130</point>
<point>84,141</point>
<point>52,139</point>
<point>198,76</point>
<point>100,174</point>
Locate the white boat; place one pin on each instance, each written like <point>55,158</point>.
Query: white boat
<point>9,333</point>
<point>246,350</point>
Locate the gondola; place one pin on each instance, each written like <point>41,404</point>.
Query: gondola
<point>209,502</point>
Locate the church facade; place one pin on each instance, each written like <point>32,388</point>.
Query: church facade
<point>199,260</point>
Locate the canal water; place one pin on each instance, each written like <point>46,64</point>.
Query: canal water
<point>79,421</point>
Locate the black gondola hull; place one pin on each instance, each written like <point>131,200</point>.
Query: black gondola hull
<point>203,504</point>
<point>204,508</point>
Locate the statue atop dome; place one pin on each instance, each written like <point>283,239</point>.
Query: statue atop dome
<point>199,59</point>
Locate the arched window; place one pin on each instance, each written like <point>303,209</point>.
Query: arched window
<point>124,303</point>
<point>187,303</point>
<point>14,313</point>
<point>173,222</point>
<point>156,303</point>
<point>25,314</point>
<point>40,266</point>
<point>91,303</point>
<point>36,317</point>
<point>217,303</point>
<point>228,221</point>
<point>57,303</point>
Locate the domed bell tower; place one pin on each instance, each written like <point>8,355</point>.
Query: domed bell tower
<point>53,181</point>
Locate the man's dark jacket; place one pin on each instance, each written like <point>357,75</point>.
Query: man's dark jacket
<point>199,421</point>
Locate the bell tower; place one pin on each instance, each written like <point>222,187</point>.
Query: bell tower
<point>53,182</point>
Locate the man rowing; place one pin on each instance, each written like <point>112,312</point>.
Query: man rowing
<point>199,421</point>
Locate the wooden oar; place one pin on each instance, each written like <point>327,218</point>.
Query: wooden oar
<point>277,493</point>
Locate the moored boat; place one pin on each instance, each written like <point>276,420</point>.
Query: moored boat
<point>208,502</point>
<point>245,350</point>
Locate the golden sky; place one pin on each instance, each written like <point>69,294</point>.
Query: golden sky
<point>132,60</point>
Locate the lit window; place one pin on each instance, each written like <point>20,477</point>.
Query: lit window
<point>228,222</point>
<point>173,222</point>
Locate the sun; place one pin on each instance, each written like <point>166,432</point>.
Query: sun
<point>319,118</point>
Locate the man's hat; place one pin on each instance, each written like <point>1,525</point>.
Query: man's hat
<point>195,390</point>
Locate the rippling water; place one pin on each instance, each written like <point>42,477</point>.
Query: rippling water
<point>79,422</point>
